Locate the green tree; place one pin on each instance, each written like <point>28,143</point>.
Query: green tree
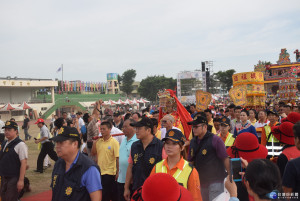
<point>225,78</point>
<point>152,84</point>
<point>127,80</point>
<point>119,79</point>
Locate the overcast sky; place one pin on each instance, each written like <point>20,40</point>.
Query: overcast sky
<point>94,37</point>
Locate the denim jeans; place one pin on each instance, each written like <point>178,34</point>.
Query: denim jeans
<point>27,136</point>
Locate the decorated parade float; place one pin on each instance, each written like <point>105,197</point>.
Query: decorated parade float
<point>248,89</point>
<point>268,83</point>
<point>281,80</point>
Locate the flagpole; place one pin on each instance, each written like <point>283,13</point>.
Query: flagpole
<point>62,72</point>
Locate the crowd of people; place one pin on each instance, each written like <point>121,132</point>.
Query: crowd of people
<point>138,155</point>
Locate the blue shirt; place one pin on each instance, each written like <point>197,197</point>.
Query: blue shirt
<point>83,130</point>
<point>250,129</point>
<point>124,153</point>
<point>90,179</point>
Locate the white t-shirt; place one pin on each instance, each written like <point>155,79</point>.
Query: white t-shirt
<point>259,124</point>
<point>44,132</point>
<point>80,122</point>
<point>21,149</point>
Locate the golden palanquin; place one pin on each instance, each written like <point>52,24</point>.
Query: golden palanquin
<point>248,89</point>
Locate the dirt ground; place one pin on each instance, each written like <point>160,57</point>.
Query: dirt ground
<point>38,182</point>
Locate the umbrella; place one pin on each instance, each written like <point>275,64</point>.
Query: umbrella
<point>7,107</point>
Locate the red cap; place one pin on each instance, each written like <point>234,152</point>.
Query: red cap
<point>39,121</point>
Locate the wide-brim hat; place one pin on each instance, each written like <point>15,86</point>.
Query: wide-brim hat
<point>293,117</point>
<point>284,133</point>
<point>247,147</point>
<point>152,189</point>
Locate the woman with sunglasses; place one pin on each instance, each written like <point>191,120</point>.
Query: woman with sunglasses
<point>176,166</point>
<point>262,180</point>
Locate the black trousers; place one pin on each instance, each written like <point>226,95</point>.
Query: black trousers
<point>121,192</point>
<point>9,191</point>
<point>109,188</point>
<point>47,148</point>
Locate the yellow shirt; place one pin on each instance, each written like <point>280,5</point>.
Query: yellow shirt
<point>213,130</point>
<point>107,152</point>
<point>253,122</point>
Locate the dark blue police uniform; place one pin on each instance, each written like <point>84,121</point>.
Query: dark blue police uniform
<point>144,160</point>
<point>67,185</point>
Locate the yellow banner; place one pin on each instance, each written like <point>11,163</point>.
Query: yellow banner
<point>248,78</point>
<point>238,95</point>
<point>202,100</point>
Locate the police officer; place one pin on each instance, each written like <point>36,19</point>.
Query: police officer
<point>145,153</point>
<point>13,162</point>
<point>225,135</point>
<point>208,153</point>
<point>176,166</point>
<point>75,176</point>
<point>266,136</point>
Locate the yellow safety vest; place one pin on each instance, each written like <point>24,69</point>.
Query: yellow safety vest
<point>181,176</point>
<point>229,140</point>
<point>268,131</point>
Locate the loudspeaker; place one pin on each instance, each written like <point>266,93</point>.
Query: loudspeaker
<point>203,66</point>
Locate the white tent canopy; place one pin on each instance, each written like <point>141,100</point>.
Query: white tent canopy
<point>7,107</point>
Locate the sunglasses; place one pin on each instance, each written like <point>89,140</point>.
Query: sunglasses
<point>197,126</point>
<point>164,121</point>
